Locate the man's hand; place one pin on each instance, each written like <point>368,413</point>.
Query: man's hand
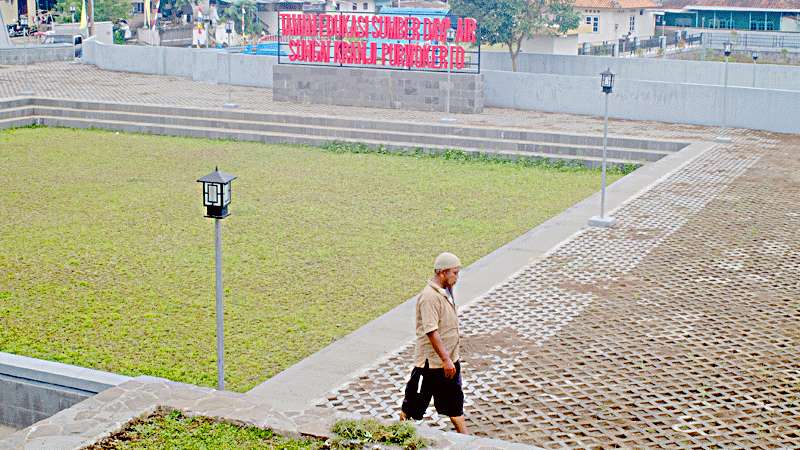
<point>449,368</point>
<point>438,346</point>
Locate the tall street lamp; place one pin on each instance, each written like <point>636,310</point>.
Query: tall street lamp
<point>207,27</point>
<point>755,55</point>
<point>607,83</point>
<point>216,198</point>
<point>228,31</point>
<point>723,138</point>
<point>451,35</point>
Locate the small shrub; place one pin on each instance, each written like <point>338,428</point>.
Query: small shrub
<point>355,434</point>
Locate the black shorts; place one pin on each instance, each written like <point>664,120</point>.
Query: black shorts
<point>447,394</point>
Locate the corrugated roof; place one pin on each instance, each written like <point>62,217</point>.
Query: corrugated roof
<point>414,10</point>
<point>618,4</point>
<point>759,4</point>
<point>425,4</point>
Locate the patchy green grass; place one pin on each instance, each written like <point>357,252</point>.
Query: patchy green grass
<point>106,260</point>
<point>172,430</point>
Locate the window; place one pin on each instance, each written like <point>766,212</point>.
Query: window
<point>355,6</point>
<point>632,24</point>
<point>366,6</point>
<point>641,12</point>
<point>593,21</point>
<point>138,8</point>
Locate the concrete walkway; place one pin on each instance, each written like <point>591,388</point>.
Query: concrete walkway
<point>6,431</point>
<point>678,327</point>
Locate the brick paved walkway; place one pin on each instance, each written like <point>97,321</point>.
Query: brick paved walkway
<point>677,328</point>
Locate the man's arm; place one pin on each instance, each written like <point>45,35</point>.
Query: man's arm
<point>438,346</point>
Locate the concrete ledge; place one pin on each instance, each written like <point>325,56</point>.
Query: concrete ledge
<point>308,381</point>
<point>98,417</point>
<point>33,389</point>
<point>31,54</point>
<point>58,374</point>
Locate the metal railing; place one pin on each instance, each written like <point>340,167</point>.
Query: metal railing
<point>751,40</point>
<point>632,46</point>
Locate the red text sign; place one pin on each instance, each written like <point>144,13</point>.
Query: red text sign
<point>392,41</point>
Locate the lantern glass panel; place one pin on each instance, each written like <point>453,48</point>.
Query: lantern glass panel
<point>607,79</point>
<point>213,194</point>
<point>226,197</point>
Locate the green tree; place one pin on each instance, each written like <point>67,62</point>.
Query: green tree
<point>510,22</point>
<point>111,10</point>
<point>252,25</point>
<point>104,10</point>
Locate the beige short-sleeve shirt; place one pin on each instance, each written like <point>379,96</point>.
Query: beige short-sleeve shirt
<point>436,311</point>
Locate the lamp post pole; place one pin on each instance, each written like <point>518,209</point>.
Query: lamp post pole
<point>755,63</point>
<point>723,138</point>
<point>228,31</point>
<point>450,38</point>
<point>603,171</point>
<point>220,309</point>
<point>607,83</point>
<point>216,198</point>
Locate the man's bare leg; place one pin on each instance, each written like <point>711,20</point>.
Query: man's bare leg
<point>460,424</point>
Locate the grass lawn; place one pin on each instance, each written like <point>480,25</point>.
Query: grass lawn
<point>170,429</point>
<point>106,260</point>
<point>173,430</point>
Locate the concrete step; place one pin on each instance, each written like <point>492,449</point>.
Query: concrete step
<point>371,124</point>
<point>275,137</point>
<point>352,134</point>
<point>20,111</point>
<point>16,122</point>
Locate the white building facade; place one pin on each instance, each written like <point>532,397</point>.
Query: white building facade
<point>610,20</point>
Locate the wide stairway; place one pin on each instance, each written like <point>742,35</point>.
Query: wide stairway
<point>271,127</point>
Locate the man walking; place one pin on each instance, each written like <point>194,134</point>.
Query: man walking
<point>437,370</point>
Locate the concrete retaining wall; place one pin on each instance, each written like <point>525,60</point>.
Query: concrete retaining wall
<point>197,64</point>
<point>30,54</point>
<point>391,89</point>
<point>762,109</point>
<point>647,89</point>
<point>769,76</point>
<point>32,390</point>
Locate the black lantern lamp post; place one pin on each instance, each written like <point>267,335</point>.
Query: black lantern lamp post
<point>607,84</point>
<point>216,198</point>
<point>727,49</point>
<point>228,31</point>
<point>607,81</point>
<point>217,193</point>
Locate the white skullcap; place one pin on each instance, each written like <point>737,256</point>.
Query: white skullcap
<point>446,261</point>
